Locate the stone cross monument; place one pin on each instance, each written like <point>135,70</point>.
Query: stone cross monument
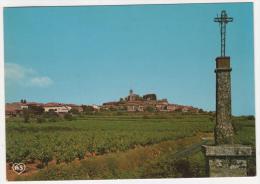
<point>225,158</point>
<point>223,130</point>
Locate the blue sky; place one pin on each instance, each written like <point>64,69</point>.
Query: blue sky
<point>90,55</point>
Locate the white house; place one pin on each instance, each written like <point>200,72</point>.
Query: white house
<point>57,107</point>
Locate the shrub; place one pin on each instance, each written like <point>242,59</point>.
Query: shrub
<point>183,168</point>
<point>79,152</point>
<point>51,116</point>
<point>88,109</point>
<point>74,111</point>
<point>68,117</point>
<point>119,113</point>
<point>150,109</point>
<point>251,117</point>
<point>44,156</point>
<point>36,110</point>
<point>26,115</point>
<point>40,119</point>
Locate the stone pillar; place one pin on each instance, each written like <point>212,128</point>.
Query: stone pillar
<point>223,130</point>
<point>225,159</point>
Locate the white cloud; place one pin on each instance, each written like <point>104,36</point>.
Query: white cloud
<point>17,74</point>
<point>41,81</point>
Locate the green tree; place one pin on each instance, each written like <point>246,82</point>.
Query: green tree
<point>88,109</point>
<point>23,101</point>
<point>26,115</point>
<point>201,111</point>
<point>74,111</point>
<point>35,109</point>
<point>150,109</point>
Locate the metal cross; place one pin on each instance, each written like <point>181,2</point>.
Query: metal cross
<point>223,20</point>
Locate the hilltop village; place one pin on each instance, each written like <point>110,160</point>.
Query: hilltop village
<point>148,102</point>
<point>131,103</point>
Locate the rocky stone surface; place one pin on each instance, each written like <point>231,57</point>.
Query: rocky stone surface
<point>223,130</point>
<point>227,160</point>
<point>232,150</point>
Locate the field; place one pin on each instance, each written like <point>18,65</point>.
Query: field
<point>116,145</point>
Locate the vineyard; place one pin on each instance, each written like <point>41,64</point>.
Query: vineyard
<point>64,141</point>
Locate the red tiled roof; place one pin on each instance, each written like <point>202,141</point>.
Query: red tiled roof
<point>53,104</point>
<point>33,103</point>
<point>12,107</point>
<point>73,105</point>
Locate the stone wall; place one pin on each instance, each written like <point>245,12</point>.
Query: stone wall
<point>227,160</point>
<point>227,167</point>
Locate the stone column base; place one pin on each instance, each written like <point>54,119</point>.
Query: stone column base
<point>226,160</point>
